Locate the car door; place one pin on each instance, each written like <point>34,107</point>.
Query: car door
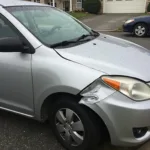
<point>16,93</point>
<point>149,23</point>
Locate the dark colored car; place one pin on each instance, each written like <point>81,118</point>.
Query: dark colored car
<point>139,26</point>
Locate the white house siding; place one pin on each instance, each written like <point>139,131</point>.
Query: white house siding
<point>124,6</point>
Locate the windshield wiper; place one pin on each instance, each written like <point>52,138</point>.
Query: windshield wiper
<point>84,36</point>
<point>65,43</point>
<point>92,34</point>
<point>95,33</point>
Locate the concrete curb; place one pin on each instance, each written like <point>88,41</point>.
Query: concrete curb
<point>105,30</point>
<point>116,30</point>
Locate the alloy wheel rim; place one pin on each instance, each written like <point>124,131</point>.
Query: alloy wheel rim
<point>140,30</point>
<point>70,127</point>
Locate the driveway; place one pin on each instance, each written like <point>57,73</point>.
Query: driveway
<point>20,133</point>
<point>107,21</point>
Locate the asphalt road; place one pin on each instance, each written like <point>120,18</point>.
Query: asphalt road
<point>20,133</point>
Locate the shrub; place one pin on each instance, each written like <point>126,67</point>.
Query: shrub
<point>92,6</point>
<point>148,8</point>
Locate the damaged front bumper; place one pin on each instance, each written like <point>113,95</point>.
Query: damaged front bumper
<point>127,121</point>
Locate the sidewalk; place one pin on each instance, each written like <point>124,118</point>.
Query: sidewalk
<point>107,22</point>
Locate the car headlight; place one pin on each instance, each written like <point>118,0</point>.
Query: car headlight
<point>133,88</point>
<point>129,21</point>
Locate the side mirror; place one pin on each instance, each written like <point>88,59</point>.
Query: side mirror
<point>11,44</point>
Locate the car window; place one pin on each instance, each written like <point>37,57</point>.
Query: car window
<point>48,24</point>
<point>5,29</point>
<point>22,18</point>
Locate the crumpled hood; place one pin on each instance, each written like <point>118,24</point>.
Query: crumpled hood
<point>112,56</point>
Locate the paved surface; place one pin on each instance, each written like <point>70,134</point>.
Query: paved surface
<point>19,133</point>
<point>107,21</point>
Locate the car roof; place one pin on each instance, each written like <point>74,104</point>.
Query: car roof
<point>6,3</point>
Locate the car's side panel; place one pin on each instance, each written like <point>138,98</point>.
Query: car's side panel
<point>16,88</point>
<point>16,82</point>
<point>148,21</point>
<point>54,74</point>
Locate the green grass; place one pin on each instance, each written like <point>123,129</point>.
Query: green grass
<point>119,29</point>
<point>80,15</point>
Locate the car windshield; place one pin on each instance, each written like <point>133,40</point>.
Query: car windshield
<point>50,25</point>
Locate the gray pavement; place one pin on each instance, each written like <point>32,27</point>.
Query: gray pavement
<point>20,133</point>
<point>107,22</point>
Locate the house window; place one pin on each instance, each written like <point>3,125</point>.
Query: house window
<point>51,2</point>
<point>66,5</point>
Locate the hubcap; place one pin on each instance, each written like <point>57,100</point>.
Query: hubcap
<point>140,31</point>
<point>70,127</point>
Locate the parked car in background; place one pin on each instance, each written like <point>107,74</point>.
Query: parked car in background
<point>87,84</point>
<point>139,26</point>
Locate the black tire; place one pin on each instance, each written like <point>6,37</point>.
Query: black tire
<point>91,128</point>
<point>143,26</point>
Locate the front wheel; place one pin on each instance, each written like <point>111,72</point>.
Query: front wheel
<point>140,30</point>
<point>74,127</point>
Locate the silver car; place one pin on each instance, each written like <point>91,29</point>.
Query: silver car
<point>86,83</point>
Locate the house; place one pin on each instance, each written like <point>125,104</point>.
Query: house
<point>66,5</point>
<point>109,6</point>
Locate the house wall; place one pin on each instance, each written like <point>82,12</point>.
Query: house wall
<point>73,5</point>
<point>102,5</point>
<point>117,9</point>
<point>148,1</point>
<point>59,3</point>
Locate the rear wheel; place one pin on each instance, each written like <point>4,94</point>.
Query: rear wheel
<point>140,30</point>
<point>74,127</point>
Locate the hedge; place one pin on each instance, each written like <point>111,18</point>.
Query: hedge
<point>92,6</point>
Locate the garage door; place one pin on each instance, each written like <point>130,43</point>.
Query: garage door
<point>124,6</point>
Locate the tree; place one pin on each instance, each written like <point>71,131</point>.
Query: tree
<point>92,6</point>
